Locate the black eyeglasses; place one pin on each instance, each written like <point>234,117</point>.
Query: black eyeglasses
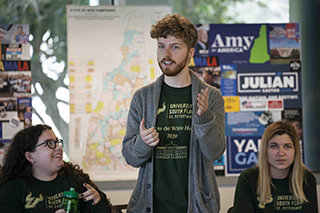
<point>52,144</point>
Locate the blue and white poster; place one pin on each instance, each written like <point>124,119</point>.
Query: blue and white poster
<point>239,43</point>
<point>247,123</point>
<point>270,82</point>
<point>228,79</point>
<point>242,153</point>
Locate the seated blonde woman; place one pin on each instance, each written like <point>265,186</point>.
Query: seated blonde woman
<point>280,182</point>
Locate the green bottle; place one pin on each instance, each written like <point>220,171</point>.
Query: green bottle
<point>70,201</point>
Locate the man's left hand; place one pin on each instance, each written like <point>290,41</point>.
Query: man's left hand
<point>202,101</point>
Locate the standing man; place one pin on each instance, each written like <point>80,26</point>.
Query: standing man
<point>175,130</point>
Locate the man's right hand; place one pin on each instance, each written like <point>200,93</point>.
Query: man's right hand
<point>149,136</point>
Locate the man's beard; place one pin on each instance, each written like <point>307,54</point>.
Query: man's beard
<point>175,71</point>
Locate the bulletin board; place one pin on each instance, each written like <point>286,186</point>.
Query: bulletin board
<point>257,68</point>
<point>15,82</point>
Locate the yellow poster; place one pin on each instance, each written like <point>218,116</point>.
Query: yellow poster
<point>231,103</point>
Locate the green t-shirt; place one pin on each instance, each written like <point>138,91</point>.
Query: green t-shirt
<point>282,200</point>
<point>171,161</point>
<point>36,196</point>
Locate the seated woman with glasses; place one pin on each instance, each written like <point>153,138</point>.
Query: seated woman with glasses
<point>34,176</point>
<point>280,182</point>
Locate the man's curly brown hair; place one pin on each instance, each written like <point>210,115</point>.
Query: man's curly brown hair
<point>177,26</point>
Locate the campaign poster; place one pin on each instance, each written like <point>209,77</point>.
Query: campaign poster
<point>202,46</point>
<point>229,80</point>
<point>25,111</point>
<point>239,43</point>
<point>250,123</point>
<point>270,82</point>
<point>8,108</point>
<point>254,43</point>
<point>16,84</point>
<point>260,104</point>
<point>231,103</point>
<point>284,42</point>
<point>15,66</point>
<point>14,41</point>
<point>242,153</point>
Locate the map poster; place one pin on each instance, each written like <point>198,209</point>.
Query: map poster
<point>110,56</point>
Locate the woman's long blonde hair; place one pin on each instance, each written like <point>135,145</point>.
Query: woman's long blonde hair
<point>297,169</point>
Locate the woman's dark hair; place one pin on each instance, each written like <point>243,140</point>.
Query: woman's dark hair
<point>15,163</point>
